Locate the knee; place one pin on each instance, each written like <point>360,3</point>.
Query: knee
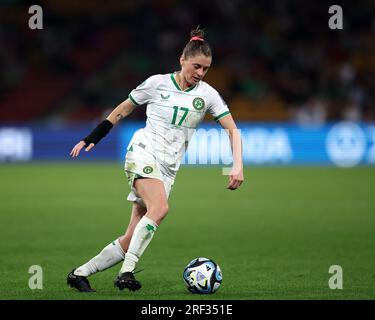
<point>159,212</point>
<point>164,209</point>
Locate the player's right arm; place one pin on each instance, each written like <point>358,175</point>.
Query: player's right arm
<point>121,111</point>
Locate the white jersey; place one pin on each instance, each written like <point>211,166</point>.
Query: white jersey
<point>173,115</point>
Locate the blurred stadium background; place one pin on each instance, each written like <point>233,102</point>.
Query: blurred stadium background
<point>303,95</point>
<point>273,62</point>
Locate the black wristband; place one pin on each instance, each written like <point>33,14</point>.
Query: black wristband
<point>98,133</point>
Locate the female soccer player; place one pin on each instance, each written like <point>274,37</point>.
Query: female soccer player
<point>176,104</point>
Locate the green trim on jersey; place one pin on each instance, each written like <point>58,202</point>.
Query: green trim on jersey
<point>132,100</point>
<point>190,88</point>
<point>178,87</point>
<point>222,115</point>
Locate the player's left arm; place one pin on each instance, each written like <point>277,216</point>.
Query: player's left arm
<point>236,175</point>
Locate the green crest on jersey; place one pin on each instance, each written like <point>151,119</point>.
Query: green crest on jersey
<point>147,169</point>
<point>198,103</point>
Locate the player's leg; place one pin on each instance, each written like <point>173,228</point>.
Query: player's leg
<point>114,252</point>
<point>108,257</point>
<point>138,212</point>
<point>153,194</point>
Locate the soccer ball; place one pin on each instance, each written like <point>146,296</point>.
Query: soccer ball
<point>203,276</point>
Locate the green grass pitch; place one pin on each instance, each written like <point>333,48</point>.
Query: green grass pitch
<point>274,238</point>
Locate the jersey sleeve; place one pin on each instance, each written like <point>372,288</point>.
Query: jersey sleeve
<point>217,107</point>
<point>144,92</point>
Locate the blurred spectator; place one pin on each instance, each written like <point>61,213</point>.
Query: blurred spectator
<point>313,112</point>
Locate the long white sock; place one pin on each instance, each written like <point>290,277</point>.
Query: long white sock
<point>143,233</point>
<point>108,257</point>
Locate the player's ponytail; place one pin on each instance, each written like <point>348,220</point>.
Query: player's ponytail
<point>196,45</point>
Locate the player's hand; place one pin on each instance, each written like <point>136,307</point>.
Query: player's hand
<point>78,147</point>
<point>235,179</point>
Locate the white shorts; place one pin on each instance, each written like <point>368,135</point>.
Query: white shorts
<point>141,163</point>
